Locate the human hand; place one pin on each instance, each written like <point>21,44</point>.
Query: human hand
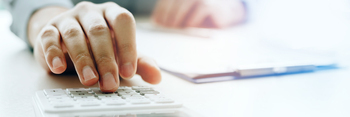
<point>99,39</point>
<point>198,13</point>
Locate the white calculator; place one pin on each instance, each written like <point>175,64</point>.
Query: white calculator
<point>135,101</point>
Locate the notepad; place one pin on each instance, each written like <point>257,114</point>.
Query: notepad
<point>226,55</point>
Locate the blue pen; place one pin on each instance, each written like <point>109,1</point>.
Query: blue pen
<point>254,72</point>
<point>281,70</point>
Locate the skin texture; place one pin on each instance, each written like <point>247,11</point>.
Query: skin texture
<point>95,40</point>
<point>198,13</point>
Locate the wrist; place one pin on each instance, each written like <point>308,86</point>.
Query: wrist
<point>39,19</point>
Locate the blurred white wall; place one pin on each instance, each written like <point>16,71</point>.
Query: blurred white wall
<point>1,6</point>
<point>305,23</point>
<point>315,25</point>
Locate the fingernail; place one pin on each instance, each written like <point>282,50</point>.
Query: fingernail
<point>127,70</point>
<point>108,81</point>
<point>88,73</point>
<point>57,62</point>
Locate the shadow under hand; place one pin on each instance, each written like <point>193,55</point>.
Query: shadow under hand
<point>28,70</point>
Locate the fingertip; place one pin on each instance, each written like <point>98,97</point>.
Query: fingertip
<point>114,89</point>
<point>154,76</point>
<point>59,70</point>
<point>149,71</point>
<point>155,80</point>
<point>90,82</point>
<point>109,83</point>
<point>127,70</point>
<point>58,66</point>
<point>90,77</point>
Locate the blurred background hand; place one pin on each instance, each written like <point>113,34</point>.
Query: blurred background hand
<point>198,13</point>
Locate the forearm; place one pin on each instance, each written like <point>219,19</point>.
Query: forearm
<point>39,19</point>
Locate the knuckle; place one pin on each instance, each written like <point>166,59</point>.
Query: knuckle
<point>52,49</point>
<point>104,60</point>
<point>48,32</point>
<point>83,5</point>
<point>126,48</point>
<point>81,58</point>
<point>97,29</point>
<point>125,16</point>
<point>109,3</point>
<point>71,32</point>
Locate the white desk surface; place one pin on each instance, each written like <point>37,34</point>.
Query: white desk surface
<point>320,94</point>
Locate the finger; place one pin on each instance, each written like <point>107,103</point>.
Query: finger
<point>182,12</point>
<point>75,42</point>
<point>40,57</point>
<point>228,14</point>
<point>99,36</point>
<point>172,10</point>
<point>122,23</point>
<point>163,10</point>
<point>52,50</point>
<point>197,16</point>
<point>148,70</point>
<point>158,10</point>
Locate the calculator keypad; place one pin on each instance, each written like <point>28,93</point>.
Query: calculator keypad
<point>94,97</point>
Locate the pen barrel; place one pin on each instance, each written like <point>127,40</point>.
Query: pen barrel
<point>267,71</point>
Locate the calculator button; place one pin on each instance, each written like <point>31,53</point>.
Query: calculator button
<point>89,103</point>
<point>95,89</point>
<point>127,93</point>
<point>82,94</point>
<point>54,96</point>
<point>77,89</point>
<point>58,98</point>
<point>134,98</point>
<point>152,95</point>
<point>148,92</point>
<point>110,94</point>
<point>124,87</point>
<point>140,101</point>
<point>46,91</point>
<point>78,92</point>
<point>115,102</point>
<point>88,100</point>
<point>126,90</point>
<point>62,105</point>
<point>129,96</point>
<point>139,90</point>
<point>100,92</point>
<point>159,98</point>
<point>122,90</point>
<point>109,97</point>
<point>61,101</point>
<point>84,98</point>
<point>163,100</point>
<point>54,92</point>
<point>140,87</point>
